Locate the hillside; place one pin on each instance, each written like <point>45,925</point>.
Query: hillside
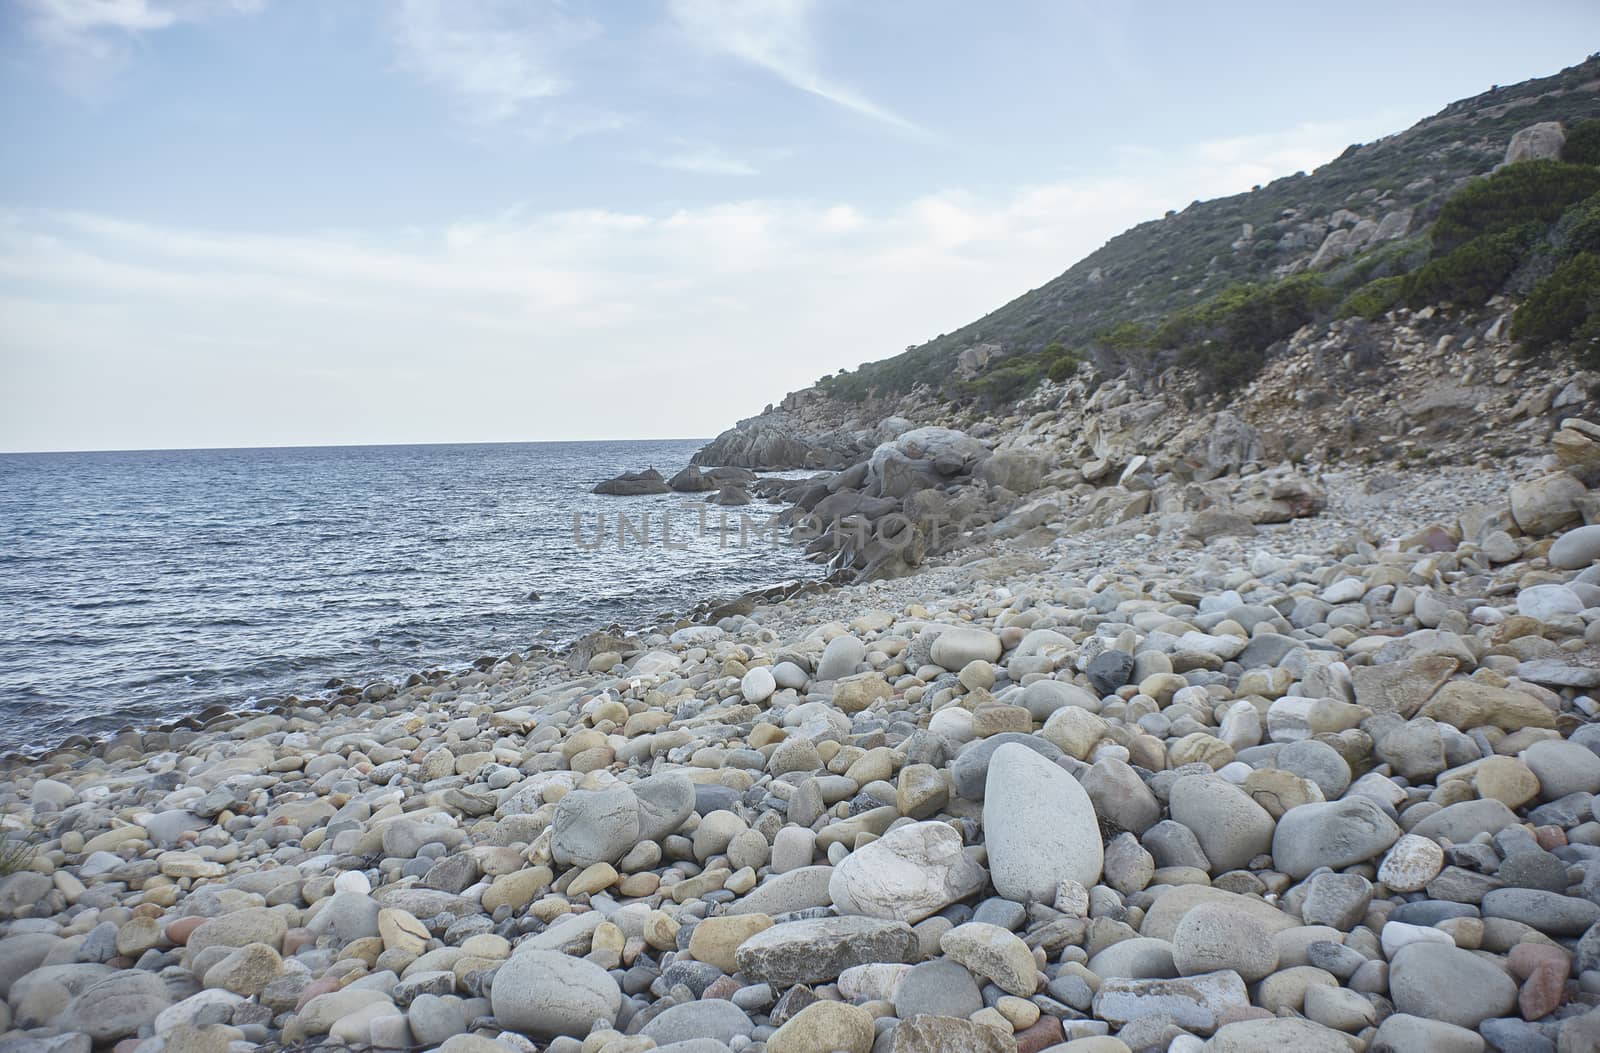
<point>1217,289</point>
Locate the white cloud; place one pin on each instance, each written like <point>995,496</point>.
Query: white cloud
<point>703,160</point>
<point>777,36</point>
<point>90,40</point>
<point>495,57</point>
<point>520,325</point>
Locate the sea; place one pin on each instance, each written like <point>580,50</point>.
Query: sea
<point>137,587</point>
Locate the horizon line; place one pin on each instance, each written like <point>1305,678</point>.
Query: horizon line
<point>337,446</point>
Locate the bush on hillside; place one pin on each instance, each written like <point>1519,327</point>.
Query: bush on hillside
<point>1525,192</point>
<point>1472,272</point>
<point>1227,337</point>
<point>1578,230</point>
<point>1563,309</point>
<point>1374,299</point>
<point>1017,375</point>
<point>1583,144</point>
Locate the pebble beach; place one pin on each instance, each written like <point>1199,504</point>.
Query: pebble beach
<point>1330,787</point>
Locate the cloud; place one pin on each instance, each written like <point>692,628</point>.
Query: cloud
<point>494,57</point>
<point>90,40</point>
<point>702,160</point>
<point>777,36</point>
<point>586,323</point>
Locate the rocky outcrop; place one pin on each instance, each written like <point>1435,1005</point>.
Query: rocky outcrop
<point>1542,140</point>
<point>633,484</point>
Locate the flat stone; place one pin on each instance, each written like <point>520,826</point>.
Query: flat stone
<point>1276,1036</point>
<point>708,1018</point>
<point>1194,1003</point>
<point>1550,912</point>
<point>819,949</point>
<point>993,953</point>
<point>941,987</point>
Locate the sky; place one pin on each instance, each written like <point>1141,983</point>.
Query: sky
<point>299,222</point>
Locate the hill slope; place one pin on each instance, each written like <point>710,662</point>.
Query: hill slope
<point>1220,286</point>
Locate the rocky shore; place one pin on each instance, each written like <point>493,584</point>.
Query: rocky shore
<point>1326,783</point>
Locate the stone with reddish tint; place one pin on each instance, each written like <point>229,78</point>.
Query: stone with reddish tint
<point>1549,837</point>
<point>1045,1032</point>
<point>1542,992</point>
<point>722,987</point>
<point>179,931</point>
<point>1526,957</point>
<point>320,986</point>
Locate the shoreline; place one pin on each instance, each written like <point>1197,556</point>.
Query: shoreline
<point>1035,792</point>
<point>221,711</point>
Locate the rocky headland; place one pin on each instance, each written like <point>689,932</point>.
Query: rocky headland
<point>1153,717</point>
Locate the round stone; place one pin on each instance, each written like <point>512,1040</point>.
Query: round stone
<point>1412,862</point>
<point>758,685</point>
<point>1213,936</point>
<point>1563,767</point>
<point>547,994</point>
<point>955,648</point>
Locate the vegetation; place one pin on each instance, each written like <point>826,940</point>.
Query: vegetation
<point>1374,299</point>
<point>1019,374</point>
<point>1229,334</point>
<point>1472,272</point>
<point>1583,143</point>
<point>1564,308</point>
<point>15,854</point>
<point>1510,199</point>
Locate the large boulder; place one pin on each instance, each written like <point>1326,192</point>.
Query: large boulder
<point>1231,445</point>
<point>1547,504</point>
<point>1542,140</point>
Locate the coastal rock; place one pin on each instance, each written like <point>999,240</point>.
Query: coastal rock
<point>1334,834</point>
<point>634,484</point>
<point>1440,982</point>
<point>1232,829</point>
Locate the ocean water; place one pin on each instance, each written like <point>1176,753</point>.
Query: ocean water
<point>135,587</point>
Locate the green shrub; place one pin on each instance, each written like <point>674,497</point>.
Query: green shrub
<point>1583,144</point>
<point>1526,192</point>
<point>1564,308</point>
<point>1227,336</point>
<point>1128,336</point>
<point>1472,272</point>
<point>1374,299</point>
<point>1061,363</point>
<point>1578,230</point>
